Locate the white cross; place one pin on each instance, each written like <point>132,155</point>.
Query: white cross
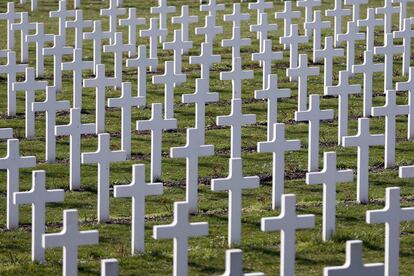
<point>97,35</point>
<point>185,19</point>
<point>328,53</point>
<point>24,26</point>
<point>237,16</point>
<point>10,16</point>
<point>179,47</point>
<point>77,66</point>
<point>212,7</point>
<point>354,264</point>
<point>132,22</point>
<point>109,267</point>
<point>153,32</point>
<point>406,33</point>
<point>301,73</point>
<point>100,82</point>
<point>62,14</point>
<point>392,215</point>
<point>236,75</point>
<point>13,162</point>
<point>403,10</point>
<point>50,106</point>
<point>329,177</point>
<point>180,230</point>
<point>210,30</point>
<point>112,12</point>
<point>409,86</point>
<point>126,102</point>
<point>141,62</point>
<point>57,51</point>
<point>236,42</point>
<point>29,86</point>
<point>309,5</point>
<point>163,10</point>
<point>192,150</point>
<point>78,25</point>
<point>368,68</point>
<point>262,28</point>
<point>74,130</point>
<point>70,238</point>
<point>278,146</point>
<point>234,264</point>
<point>387,10</point>
<point>40,39</point>
<point>138,189</point>
<point>337,13</point>
<point>287,15</point>
<point>260,6</point>
<point>313,115</point>
<point>206,59</point>
<point>265,58</point>
<point>235,183</point>
<point>200,98</point>
<point>103,157</point>
<point>350,37</point>
<point>356,7</point>
<point>38,196</point>
<point>11,69</point>
<point>363,140</point>
<point>170,79</point>
<point>293,40</point>
<point>316,26</point>
<point>236,120</point>
<point>343,90</point>
<point>118,48</point>
<point>390,111</point>
<point>156,124</point>
<point>287,222</point>
<point>370,22</point>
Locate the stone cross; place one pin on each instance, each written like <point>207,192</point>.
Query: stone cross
<point>192,150</point>
<point>11,68</point>
<point>235,183</point>
<point>77,66</point>
<point>338,12</point>
<point>328,53</point>
<point>109,267</point>
<point>126,102</point>
<point>309,5</point>
<point>236,42</point>
<point>10,16</point>
<point>185,19</point>
<point>406,33</point>
<point>350,37</point>
<point>57,51</point>
<point>138,190</point>
<point>163,10</point>
<point>206,59</point>
<point>329,177</point>
<point>236,120</point>
<point>13,162</point>
<point>78,25</point>
<point>236,75</point>
<point>103,157</point>
<point>24,26</point>
<point>314,115</point>
<point>40,39</point>
<point>368,68</point>
<point>154,32</point>
<point>180,230</point>
<point>38,196</point>
<point>141,62</point>
<point>156,124</point>
<point>287,222</point>
<point>237,16</point>
<point>74,130</point>
<point>354,264</point>
<point>97,36</point>
<point>132,22</point>
<point>343,90</point>
<point>29,86</point>
<point>118,48</point>
<point>212,7</point>
<point>62,14</point>
<point>100,82</point>
<point>409,86</point>
<point>278,146</point>
<point>287,15</point>
<point>301,73</point>
<point>210,30</point>
<point>234,264</point>
<point>260,6</point>
<point>113,11</point>
<point>316,26</point>
<point>170,79</point>
<point>370,22</point>
<point>387,10</point>
<point>356,7</point>
<point>363,140</point>
<point>70,238</point>
<point>179,47</point>
<point>390,111</point>
<point>262,28</point>
<point>50,106</point>
<point>392,215</point>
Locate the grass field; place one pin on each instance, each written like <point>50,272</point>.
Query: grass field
<point>207,254</point>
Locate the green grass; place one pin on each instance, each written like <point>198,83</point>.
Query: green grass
<point>207,254</point>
